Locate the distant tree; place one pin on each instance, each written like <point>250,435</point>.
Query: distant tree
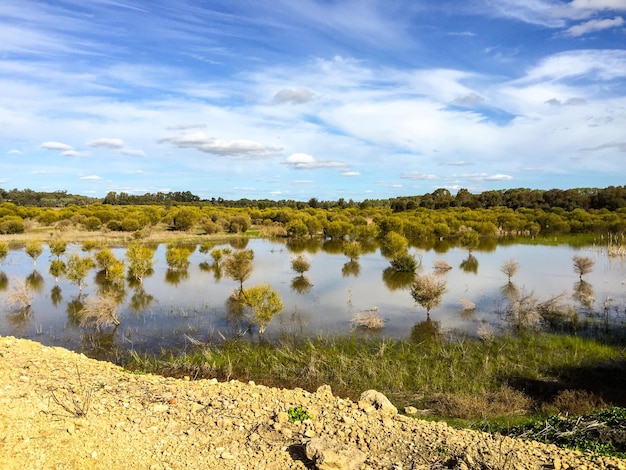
<point>583,265</point>
<point>217,254</point>
<point>238,266</point>
<point>469,238</point>
<point>427,291</point>
<point>352,250</point>
<point>140,261</point>
<point>57,247</point>
<point>394,245</point>
<point>4,251</point>
<point>105,259</point>
<point>78,268</point>
<point>300,264</point>
<point>177,257</point>
<point>404,263</point>
<point>264,302</point>
<point>34,249</point>
<point>57,269</point>
<point>205,247</point>
<point>509,268</point>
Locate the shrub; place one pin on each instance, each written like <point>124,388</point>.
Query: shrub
<point>11,224</point>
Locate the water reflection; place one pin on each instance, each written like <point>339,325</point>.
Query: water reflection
<point>544,271</point>
<point>351,268</point>
<point>510,291</point>
<point>35,281</point>
<point>176,276</point>
<point>56,295</point>
<point>140,301</point>
<point>301,284</point>
<point>583,294</point>
<point>469,264</point>
<point>396,280</point>
<point>426,331</point>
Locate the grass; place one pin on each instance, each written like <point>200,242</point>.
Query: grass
<point>497,385</point>
<point>409,373</point>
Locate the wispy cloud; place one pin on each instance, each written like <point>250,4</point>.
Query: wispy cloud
<point>232,148</point>
<point>303,161</point>
<point>55,146</point>
<point>90,177</point>
<point>106,142</point>
<point>594,25</point>
<point>419,176</point>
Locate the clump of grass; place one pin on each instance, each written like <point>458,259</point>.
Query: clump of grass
<point>467,305</point>
<point>441,265</point>
<point>504,401</point>
<point>577,402</point>
<point>100,312</point>
<point>368,320</point>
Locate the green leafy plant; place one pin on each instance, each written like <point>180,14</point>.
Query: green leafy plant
<point>298,414</point>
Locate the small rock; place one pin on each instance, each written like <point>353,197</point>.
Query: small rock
<point>378,401</point>
<point>328,454</point>
<point>410,410</point>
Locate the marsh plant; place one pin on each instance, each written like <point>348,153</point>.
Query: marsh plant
<point>264,302</point>
<point>300,264</point>
<point>427,291</point>
<point>34,249</point>
<point>582,265</point>
<point>509,268</point>
<point>4,251</point>
<point>368,320</point>
<point>77,269</point>
<point>238,266</point>
<point>100,312</point>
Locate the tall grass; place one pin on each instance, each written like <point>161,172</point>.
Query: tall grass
<point>421,374</point>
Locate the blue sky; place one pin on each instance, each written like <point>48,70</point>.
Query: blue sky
<point>294,99</point>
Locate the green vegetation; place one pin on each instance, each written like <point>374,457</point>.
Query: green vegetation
<point>298,414</point>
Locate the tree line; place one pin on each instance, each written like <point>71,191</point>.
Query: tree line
<point>611,198</point>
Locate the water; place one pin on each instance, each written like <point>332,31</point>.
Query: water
<point>173,313</point>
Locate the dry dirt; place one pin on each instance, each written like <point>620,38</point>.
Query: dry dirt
<point>61,410</point>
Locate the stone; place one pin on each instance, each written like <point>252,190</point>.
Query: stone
<point>378,401</point>
<point>328,454</point>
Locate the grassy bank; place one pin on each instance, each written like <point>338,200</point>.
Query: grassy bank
<point>506,385</point>
<point>530,370</point>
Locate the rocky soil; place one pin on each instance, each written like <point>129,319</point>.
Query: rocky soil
<point>61,410</point>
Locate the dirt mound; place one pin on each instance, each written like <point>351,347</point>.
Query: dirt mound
<point>61,410</point>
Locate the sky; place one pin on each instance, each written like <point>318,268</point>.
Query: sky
<point>300,99</point>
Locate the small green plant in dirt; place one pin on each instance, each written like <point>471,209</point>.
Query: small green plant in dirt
<point>297,414</point>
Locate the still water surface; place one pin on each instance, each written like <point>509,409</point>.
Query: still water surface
<point>169,313</point>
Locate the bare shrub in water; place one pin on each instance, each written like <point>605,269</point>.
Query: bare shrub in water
<point>368,320</point>
<point>20,297</point>
<point>100,312</point>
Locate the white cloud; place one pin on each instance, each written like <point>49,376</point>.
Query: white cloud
<point>350,173</point>
<point>14,152</point>
<point>109,143</point>
<point>132,152</point>
<point>604,64</point>
<point>599,4</point>
<point>55,146</point>
<point>303,161</point>
<point>460,163</point>
<point>74,153</point>
<point>90,177</point>
<point>487,177</point>
<point>418,176</point>
<point>292,96</point>
<point>233,148</point>
<point>593,25</point>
